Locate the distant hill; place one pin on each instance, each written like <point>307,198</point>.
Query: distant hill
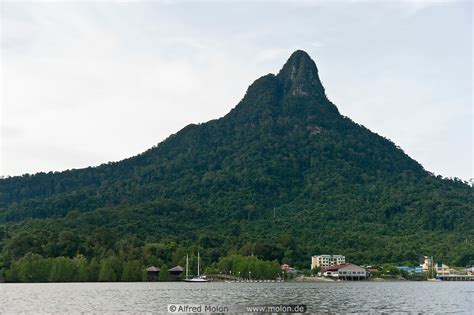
<point>282,176</point>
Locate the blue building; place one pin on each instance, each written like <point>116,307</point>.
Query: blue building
<point>419,270</point>
<point>410,270</point>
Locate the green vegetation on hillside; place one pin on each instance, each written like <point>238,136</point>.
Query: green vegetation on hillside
<point>283,176</point>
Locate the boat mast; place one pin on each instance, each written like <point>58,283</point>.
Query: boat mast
<point>187,262</point>
<point>198,264</point>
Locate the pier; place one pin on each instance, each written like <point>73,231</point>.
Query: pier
<point>232,278</point>
<point>224,277</point>
<point>456,277</point>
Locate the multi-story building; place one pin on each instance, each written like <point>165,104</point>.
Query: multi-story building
<point>321,261</point>
<point>345,272</point>
<point>442,269</point>
<point>427,263</point>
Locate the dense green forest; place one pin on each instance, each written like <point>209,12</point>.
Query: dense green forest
<point>283,176</point>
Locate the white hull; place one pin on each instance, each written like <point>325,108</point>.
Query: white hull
<point>196,280</point>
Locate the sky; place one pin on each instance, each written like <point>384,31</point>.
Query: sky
<point>85,83</point>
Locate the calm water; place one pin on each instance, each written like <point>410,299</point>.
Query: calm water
<point>133,298</point>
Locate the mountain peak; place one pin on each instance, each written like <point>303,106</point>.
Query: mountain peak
<point>300,76</point>
<point>300,56</point>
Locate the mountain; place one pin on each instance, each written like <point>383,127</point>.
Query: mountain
<point>283,176</point>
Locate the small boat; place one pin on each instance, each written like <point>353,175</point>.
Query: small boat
<point>435,280</point>
<point>198,278</point>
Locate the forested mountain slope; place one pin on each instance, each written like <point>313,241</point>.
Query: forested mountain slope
<point>284,175</point>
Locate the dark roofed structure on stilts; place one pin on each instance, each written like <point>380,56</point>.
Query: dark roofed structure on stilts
<point>153,273</point>
<point>175,272</point>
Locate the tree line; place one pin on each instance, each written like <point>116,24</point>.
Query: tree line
<point>35,268</point>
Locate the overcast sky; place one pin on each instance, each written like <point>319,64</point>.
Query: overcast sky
<point>85,83</point>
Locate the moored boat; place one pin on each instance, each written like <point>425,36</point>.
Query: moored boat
<point>434,280</point>
<point>197,278</point>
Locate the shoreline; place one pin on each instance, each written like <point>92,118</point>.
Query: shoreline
<point>304,280</point>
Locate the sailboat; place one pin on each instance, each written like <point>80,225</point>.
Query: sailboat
<point>198,278</point>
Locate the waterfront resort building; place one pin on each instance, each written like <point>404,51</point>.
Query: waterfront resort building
<point>416,271</point>
<point>439,268</point>
<point>427,263</point>
<point>175,272</point>
<point>442,269</point>
<point>153,273</point>
<point>321,261</point>
<point>345,272</point>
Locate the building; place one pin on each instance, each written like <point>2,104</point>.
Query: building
<point>442,269</point>
<point>470,270</point>
<point>427,263</point>
<point>287,268</point>
<point>153,273</point>
<point>409,270</point>
<point>345,272</point>
<point>439,268</point>
<point>321,261</point>
<point>175,272</point>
